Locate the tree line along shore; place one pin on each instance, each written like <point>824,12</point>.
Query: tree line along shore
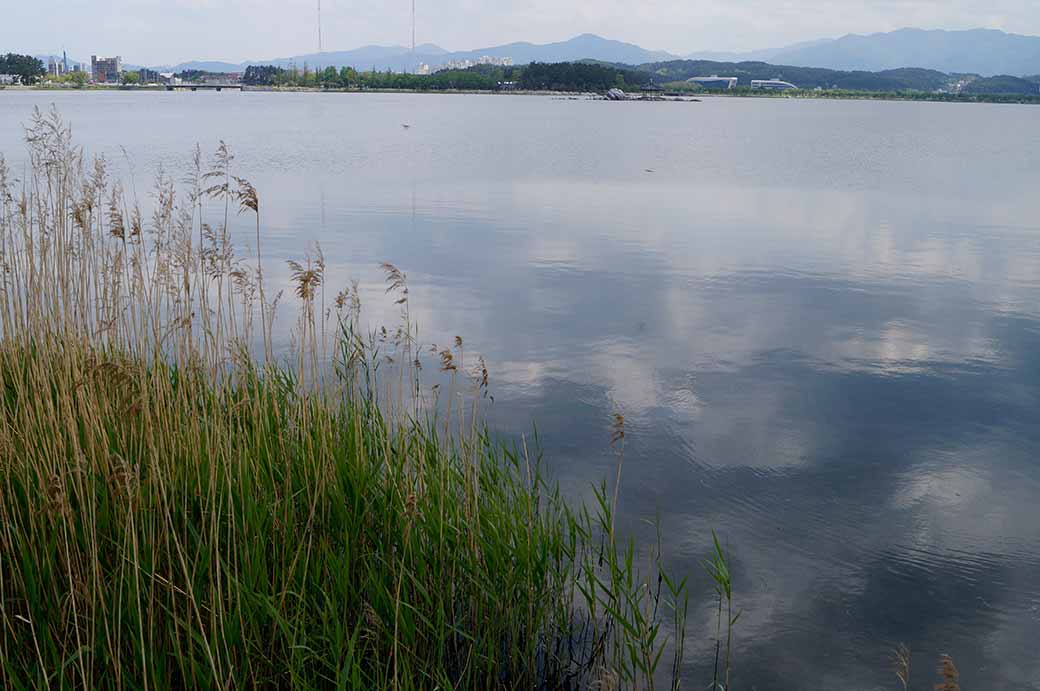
<point>587,77</point>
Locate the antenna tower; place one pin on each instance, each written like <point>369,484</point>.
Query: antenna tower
<point>415,67</point>
<point>319,27</point>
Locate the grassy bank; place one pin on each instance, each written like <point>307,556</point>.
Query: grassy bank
<point>178,510</point>
<point>855,95</point>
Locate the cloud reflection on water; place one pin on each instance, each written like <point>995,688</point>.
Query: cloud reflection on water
<point>852,404</point>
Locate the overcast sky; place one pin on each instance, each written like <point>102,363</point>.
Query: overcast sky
<point>170,31</point>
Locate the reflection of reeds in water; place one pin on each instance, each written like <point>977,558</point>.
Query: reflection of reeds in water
<point>948,674</point>
<point>717,567</point>
<point>902,665</point>
<point>177,512</point>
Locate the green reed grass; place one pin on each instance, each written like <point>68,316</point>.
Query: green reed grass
<point>175,512</point>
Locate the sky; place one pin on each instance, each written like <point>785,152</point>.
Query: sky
<point>156,32</point>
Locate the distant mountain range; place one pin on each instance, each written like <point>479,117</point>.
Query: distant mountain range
<point>977,51</point>
<point>399,58</point>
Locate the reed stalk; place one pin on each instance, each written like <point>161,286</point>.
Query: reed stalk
<point>177,511</point>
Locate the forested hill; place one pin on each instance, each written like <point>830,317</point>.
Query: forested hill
<point>903,79</point>
<point>561,76</point>
<point>1003,84</point>
<point>907,78</point>
<point>599,77</point>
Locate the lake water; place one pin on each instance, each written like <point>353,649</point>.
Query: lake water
<point>821,320</point>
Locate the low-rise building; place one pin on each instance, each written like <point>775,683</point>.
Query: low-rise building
<point>465,64</point>
<point>492,60</point>
<point>456,65</point>
<point>714,82</point>
<point>772,84</point>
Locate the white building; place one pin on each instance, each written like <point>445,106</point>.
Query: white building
<point>454,65</point>
<point>772,84</point>
<point>714,82</point>
<point>482,60</point>
<point>492,60</point>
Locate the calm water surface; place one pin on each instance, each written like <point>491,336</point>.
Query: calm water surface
<point>820,319</point>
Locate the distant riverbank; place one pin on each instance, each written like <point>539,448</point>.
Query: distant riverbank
<point>292,89</point>
<point>685,95</point>
<point>849,95</point>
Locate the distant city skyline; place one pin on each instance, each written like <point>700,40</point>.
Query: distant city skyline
<point>155,32</point>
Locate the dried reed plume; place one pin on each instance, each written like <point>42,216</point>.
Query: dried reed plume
<point>617,429</point>
<point>306,278</point>
<point>447,361</point>
<point>247,197</point>
<point>617,440</point>
<point>482,378</point>
<point>397,282</point>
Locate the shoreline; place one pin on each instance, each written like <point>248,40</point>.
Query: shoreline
<point>693,96</point>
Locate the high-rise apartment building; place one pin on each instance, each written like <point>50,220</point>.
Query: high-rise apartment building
<point>105,70</point>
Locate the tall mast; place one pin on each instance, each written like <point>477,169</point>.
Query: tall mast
<point>415,67</point>
<point>319,27</point>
